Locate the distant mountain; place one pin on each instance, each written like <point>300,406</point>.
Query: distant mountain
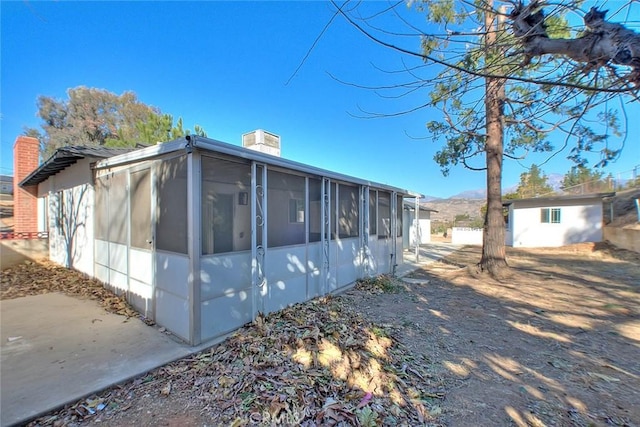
<point>471,194</point>
<point>554,180</point>
<point>428,198</point>
<point>448,209</point>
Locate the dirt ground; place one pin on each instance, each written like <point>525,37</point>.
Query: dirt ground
<point>556,343</point>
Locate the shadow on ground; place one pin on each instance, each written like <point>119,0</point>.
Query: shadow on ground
<point>555,343</point>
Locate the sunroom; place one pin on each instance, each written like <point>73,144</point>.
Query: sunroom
<point>202,236</point>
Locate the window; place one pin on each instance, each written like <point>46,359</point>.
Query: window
<point>226,210</point>
<point>348,211</point>
<point>101,224</point>
<point>140,214</point>
<point>282,188</point>
<point>550,215</point>
<point>399,216</point>
<point>384,214</point>
<point>171,229</point>
<point>315,209</point>
<point>373,217</point>
<point>118,209</point>
<point>296,211</point>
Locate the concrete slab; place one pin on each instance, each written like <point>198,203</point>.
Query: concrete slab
<point>57,349</point>
<point>428,253</point>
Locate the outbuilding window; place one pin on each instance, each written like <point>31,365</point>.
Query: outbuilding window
<point>550,215</point>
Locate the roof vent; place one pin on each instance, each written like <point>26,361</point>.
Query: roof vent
<point>263,141</point>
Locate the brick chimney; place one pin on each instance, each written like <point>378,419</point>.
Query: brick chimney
<point>25,200</point>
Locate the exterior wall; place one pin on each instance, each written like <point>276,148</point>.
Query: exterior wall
<point>171,304</point>
<point>466,236</point>
<point>226,300</point>
<point>26,155</point>
<point>578,223</point>
<point>286,283</point>
<point>70,201</point>
<point>349,261</point>
<point>508,234</point>
<point>625,237</point>
<point>381,250</point>
<point>409,229</point>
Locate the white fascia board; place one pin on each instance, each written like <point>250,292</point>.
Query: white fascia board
<point>143,154</point>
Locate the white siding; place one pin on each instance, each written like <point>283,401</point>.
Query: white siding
<point>578,223</point>
<point>171,293</point>
<point>70,223</point>
<point>225,293</point>
<point>409,229</point>
<point>466,236</point>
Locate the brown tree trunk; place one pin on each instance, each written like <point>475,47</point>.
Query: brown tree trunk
<point>493,246</point>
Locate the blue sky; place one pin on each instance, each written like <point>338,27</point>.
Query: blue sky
<point>225,66</point>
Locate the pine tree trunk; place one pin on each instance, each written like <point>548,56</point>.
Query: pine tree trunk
<point>493,245</point>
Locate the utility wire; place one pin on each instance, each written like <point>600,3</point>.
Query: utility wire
<point>313,45</point>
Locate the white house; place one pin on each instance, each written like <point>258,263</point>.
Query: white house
<point>201,235</point>
<point>416,228</point>
<point>554,221</point>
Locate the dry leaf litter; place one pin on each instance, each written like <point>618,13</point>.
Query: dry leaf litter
<point>315,363</point>
<point>35,278</point>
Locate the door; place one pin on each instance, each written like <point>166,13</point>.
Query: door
<point>223,224</point>
<point>140,293</point>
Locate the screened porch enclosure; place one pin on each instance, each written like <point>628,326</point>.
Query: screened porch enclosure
<point>286,237</point>
<point>202,241</point>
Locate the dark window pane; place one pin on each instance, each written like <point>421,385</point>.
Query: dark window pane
<point>141,209</point>
<point>101,226</point>
<point>348,211</point>
<point>544,215</point>
<point>332,209</point>
<point>226,209</point>
<point>373,216</point>
<point>399,216</point>
<point>118,212</point>
<point>281,188</point>
<point>384,214</point>
<point>315,209</point>
<point>171,229</point>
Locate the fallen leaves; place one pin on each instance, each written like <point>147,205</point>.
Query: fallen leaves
<point>36,278</point>
<point>316,363</point>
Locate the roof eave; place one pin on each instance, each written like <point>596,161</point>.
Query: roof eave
<point>575,197</point>
<point>209,144</point>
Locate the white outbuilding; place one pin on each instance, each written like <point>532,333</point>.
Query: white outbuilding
<point>555,221</point>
